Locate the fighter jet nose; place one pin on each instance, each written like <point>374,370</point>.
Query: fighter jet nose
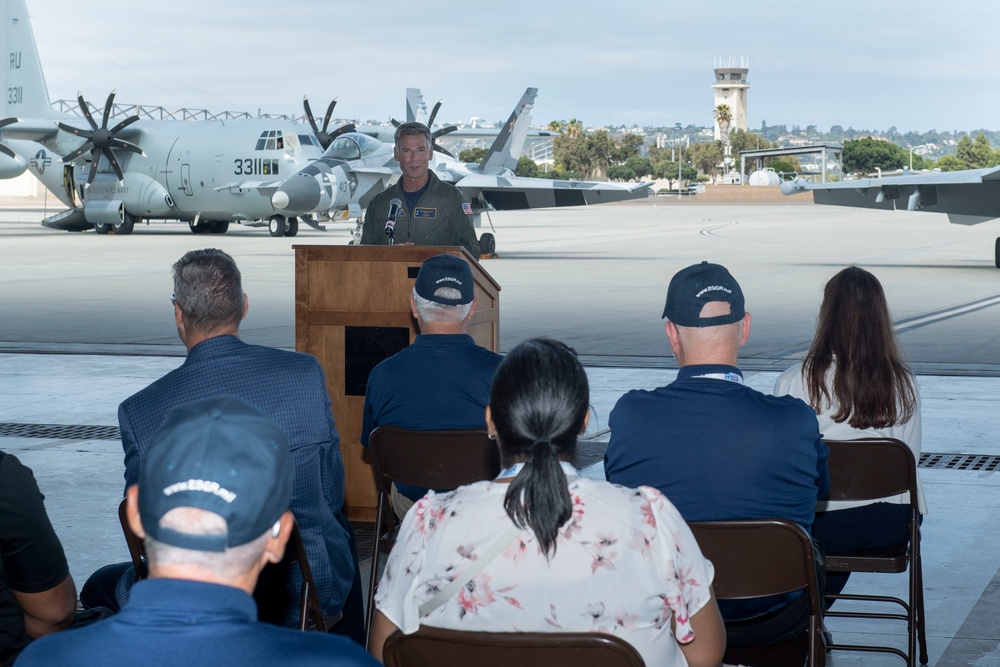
<point>279,200</point>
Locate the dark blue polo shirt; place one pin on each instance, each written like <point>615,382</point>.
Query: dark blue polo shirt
<point>720,450</point>
<point>441,381</point>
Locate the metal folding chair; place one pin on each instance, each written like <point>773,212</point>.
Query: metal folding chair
<point>868,469</point>
<point>434,646</point>
<point>429,459</point>
<point>759,558</point>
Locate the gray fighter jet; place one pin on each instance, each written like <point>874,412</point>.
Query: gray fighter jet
<point>356,167</point>
<point>968,197</point>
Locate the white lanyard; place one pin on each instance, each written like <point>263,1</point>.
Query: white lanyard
<point>728,377</point>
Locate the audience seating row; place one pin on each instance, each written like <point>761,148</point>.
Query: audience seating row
<point>752,558</point>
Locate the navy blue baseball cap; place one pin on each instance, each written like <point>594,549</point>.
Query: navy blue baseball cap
<point>221,455</point>
<point>691,288</point>
<point>445,271</point>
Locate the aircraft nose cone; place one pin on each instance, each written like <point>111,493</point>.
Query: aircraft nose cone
<point>299,194</point>
<point>279,199</point>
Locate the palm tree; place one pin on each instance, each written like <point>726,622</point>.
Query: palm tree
<point>724,116</point>
<point>574,128</point>
<point>556,126</point>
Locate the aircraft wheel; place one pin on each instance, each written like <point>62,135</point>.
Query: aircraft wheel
<point>996,254</point>
<point>125,226</point>
<point>218,226</point>
<point>277,225</point>
<point>292,228</point>
<point>199,228</point>
<point>487,244</point>
<point>102,228</point>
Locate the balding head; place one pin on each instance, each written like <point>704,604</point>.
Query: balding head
<point>709,345</point>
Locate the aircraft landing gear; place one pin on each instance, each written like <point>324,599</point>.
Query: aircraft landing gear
<point>102,227</point>
<point>125,226</point>
<point>218,226</point>
<point>199,228</point>
<point>487,245</point>
<point>292,227</point>
<point>277,226</point>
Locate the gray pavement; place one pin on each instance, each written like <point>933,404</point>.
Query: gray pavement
<point>85,321</point>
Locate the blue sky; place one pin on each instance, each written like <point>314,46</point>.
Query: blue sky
<point>872,65</point>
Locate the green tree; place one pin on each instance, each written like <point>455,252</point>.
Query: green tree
<point>640,166</point>
<point>620,172</point>
<point>950,163</point>
<point>706,156</point>
<point>867,155</point>
<point>784,167</point>
<point>472,155</point>
<point>975,153</point>
<point>526,167</point>
<point>556,126</point>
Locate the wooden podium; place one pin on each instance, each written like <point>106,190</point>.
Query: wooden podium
<point>352,310</point>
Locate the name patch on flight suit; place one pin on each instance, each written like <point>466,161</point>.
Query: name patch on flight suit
<point>423,212</point>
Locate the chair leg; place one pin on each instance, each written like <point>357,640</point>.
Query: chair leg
<point>918,603</point>
<point>376,550</point>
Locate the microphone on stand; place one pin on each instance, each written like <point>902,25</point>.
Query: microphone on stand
<point>395,206</point>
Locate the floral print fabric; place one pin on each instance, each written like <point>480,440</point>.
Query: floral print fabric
<point>625,564</point>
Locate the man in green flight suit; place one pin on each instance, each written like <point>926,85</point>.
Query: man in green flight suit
<point>430,212</point>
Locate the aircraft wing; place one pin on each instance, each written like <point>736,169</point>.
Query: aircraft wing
<point>968,196</point>
<point>506,193</point>
<point>266,188</point>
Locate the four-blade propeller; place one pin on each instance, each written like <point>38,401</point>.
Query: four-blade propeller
<point>322,134</point>
<point>435,134</point>
<point>101,140</point>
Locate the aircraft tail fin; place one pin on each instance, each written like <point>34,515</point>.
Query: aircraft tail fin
<point>23,91</point>
<point>416,110</point>
<point>506,150</point>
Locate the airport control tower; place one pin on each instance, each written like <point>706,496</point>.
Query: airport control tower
<point>731,89</point>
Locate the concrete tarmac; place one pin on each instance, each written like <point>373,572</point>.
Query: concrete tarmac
<point>85,321</point>
<point>594,277</point>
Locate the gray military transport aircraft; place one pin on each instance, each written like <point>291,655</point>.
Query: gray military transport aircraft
<point>356,167</point>
<point>207,173</point>
<point>968,197</point>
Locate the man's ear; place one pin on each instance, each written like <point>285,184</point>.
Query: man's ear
<point>246,306</point>
<point>413,306</point>
<point>274,549</point>
<point>674,337</point>
<point>472,310</point>
<point>132,511</point>
<point>745,333</point>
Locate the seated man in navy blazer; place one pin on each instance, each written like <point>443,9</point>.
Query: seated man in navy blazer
<point>288,387</point>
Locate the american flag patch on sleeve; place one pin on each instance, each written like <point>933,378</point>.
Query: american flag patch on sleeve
<point>467,207</point>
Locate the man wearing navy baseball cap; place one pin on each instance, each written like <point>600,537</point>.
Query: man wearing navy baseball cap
<point>716,448</point>
<point>212,508</point>
<point>442,380</point>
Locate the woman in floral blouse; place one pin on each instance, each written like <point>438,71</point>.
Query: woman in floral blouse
<point>541,549</point>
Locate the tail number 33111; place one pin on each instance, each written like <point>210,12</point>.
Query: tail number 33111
<point>255,167</point>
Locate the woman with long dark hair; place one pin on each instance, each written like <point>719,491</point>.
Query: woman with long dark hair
<point>856,379</point>
<point>541,549</point>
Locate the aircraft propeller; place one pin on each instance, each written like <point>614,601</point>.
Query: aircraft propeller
<point>4,123</point>
<point>100,140</point>
<point>325,138</point>
<point>434,133</point>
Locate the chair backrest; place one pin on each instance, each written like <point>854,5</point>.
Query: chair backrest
<point>758,557</point>
<point>871,468</point>
<point>136,549</point>
<point>432,459</point>
<point>435,646</point>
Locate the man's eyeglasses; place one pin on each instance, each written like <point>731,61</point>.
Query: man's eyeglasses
<point>173,301</point>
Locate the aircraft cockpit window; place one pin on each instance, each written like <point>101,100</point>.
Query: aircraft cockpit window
<point>344,148</point>
<point>308,140</point>
<point>368,145</point>
<point>270,140</point>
